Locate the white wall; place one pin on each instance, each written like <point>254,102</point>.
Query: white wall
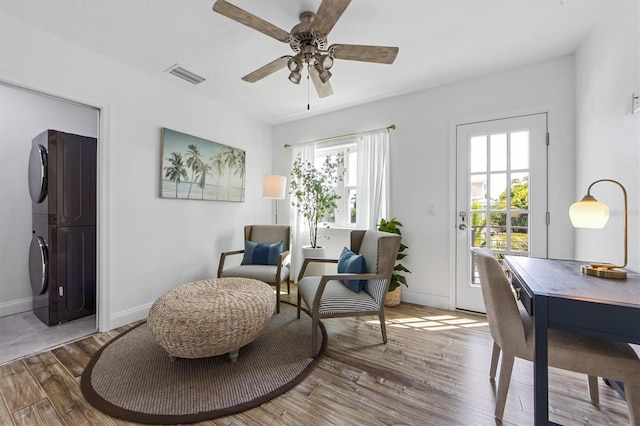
<point>146,244</point>
<point>24,115</point>
<point>608,143</point>
<point>422,189</point>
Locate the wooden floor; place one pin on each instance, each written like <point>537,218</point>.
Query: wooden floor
<point>433,371</point>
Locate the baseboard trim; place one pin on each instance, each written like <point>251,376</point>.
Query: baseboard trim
<point>431,300</point>
<point>128,316</point>
<point>16,306</point>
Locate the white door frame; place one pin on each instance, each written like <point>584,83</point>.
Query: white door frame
<point>103,315</point>
<point>451,221</point>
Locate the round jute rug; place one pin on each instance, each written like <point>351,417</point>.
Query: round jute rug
<point>132,377</point>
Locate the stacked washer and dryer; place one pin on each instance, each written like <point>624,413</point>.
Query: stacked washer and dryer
<point>62,256</point>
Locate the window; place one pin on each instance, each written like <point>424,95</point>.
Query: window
<point>345,214</point>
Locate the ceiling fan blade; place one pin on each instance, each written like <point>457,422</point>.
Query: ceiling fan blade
<point>252,21</point>
<point>328,14</point>
<point>355,52</point>
<point>322,89</point>
<point>266,70</point>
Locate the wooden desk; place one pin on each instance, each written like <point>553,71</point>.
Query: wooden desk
<point>558,295</point>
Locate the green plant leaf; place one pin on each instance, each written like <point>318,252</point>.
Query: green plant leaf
<point>400,267</point>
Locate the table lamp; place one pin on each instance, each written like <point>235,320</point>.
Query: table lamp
<point>274,187</point>
<point>590,213</point>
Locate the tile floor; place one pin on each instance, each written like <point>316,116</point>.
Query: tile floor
<point>24,334</point>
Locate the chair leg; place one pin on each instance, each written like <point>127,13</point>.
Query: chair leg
<point>278,297</point>
<point>495,356</point>
<point>288,285</point>
<point>503,385</point>
<point>632,395</point>
<point>299,301</point>
<point>383,327</point>
<point>593,389</point>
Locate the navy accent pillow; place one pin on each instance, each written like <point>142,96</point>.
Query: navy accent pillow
<point>261,254</point>
<point>352,263</point>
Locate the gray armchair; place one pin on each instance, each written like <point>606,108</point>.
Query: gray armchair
<point>512,331</point>
<point>270,274</point>
<point>327,297</point>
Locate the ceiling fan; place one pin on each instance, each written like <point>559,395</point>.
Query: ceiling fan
<point>308,40</point>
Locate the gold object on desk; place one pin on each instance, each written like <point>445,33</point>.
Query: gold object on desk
<point>591,213</point>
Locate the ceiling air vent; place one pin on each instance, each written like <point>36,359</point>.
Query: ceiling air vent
<point>178,71</point>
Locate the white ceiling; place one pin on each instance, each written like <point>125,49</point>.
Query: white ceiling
<point>440,41</point>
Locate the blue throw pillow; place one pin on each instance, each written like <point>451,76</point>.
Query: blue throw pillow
<point>352,263</point>
<point>261,254</point>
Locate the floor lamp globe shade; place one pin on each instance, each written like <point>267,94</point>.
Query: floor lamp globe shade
<point>589,214</point>
<point>274,187</point>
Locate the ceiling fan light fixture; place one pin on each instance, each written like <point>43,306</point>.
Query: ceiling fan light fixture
<point>324,60</point>
<point>322,73</point>
<point>327,62</point>
<point>294,65</point>
<point>295,77</point>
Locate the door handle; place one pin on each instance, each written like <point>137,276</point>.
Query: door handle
<point>462,227</point>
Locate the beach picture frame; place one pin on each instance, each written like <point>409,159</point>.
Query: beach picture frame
<point>194,168</point>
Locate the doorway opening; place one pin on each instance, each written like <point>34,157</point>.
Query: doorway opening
<point>24,114</point>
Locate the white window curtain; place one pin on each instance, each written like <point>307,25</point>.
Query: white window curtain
<point>299,229</point>
<point>373,178</point>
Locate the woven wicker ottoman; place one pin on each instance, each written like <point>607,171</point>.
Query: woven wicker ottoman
<point>211,317</point>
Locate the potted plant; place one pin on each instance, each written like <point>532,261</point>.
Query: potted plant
<point>312,190</point>
<point>397,279</point>
<point>312,193</point>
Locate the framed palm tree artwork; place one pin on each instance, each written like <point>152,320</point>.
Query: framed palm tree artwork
<point>198,169</point>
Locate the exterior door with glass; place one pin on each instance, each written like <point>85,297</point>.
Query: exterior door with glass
<point>501,199</point>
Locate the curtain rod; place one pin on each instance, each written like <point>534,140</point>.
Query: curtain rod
<point>389,128</point>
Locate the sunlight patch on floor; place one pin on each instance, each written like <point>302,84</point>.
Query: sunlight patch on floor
<point>433,323</point>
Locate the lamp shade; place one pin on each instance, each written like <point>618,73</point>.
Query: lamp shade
<point>274,187</point>
<point>589,213</point>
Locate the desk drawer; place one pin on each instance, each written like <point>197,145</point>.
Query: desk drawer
<point>610,322</point>
<point>522,294</point>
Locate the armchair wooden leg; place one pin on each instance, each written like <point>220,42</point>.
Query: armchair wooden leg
<point>298,304</point>
<point>288,285</point>
<point>278,298</point>
<point>593,390</point>
<point>495,356</point>
<point>503,385</point>
<point>383,327</point>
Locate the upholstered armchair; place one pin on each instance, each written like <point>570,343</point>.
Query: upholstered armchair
<point>265,257</point>
<point>331,296</point>
<point>512,331</point>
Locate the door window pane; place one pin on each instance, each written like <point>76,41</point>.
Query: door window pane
<point>520,150</point>
<point>520,191</point>
<point>498,188</point>
<point>519,241</point>
<point>478,160</point>
<point>498,238</point>
<point>498,152</point>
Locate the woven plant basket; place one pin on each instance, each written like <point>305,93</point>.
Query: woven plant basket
<point>393,297</point>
